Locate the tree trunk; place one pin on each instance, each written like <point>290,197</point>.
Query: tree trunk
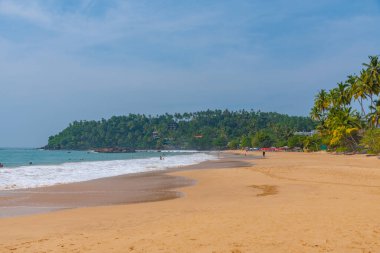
<point>362,107</point>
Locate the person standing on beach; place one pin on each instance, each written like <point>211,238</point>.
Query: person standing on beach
<point>263,153</point>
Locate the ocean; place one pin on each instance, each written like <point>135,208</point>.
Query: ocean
<point>30,168</point>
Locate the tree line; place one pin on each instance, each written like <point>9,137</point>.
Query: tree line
<point>204,130</point>
<point>349,115</point>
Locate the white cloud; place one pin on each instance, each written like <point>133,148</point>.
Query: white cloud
<point>27,10</point>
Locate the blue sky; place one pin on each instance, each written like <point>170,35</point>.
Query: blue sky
<point>86,59</point>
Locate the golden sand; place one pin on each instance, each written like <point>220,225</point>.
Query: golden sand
<point>287,202</point>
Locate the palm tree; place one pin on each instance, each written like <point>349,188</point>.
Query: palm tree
<point>374,115</point>
<point>315,113</point>
<point>372,78</point>
<point>338,121</point>
<point>334,98</point>
<point>373,70</point>
<point>357,90</point>
<point>343,95</point>
<point>322,101</point>
<point>343,124</point>
<point>321,105</point>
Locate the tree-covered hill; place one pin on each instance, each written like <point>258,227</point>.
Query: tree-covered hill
<point>212,129</point>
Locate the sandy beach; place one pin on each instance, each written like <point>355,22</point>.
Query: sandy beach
<point>287,202</point>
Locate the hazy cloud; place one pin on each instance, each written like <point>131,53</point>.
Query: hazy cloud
<point>68,60</point>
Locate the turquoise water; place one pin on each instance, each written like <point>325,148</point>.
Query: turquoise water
<point>14,157</point>
<point>59,167</point>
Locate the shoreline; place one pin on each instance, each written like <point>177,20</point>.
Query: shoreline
<point>47,169</point>
<point>116,190</point>
<point>286,202</point>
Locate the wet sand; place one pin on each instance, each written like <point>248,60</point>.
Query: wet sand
<point>287,202</point>
<point>125,189</point>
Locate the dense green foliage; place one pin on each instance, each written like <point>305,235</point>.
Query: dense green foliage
<point>212,129</point>
<point>341,125</point>
<point>371,141</point>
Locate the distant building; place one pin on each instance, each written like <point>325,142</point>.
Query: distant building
<point>172,126</point>
<point>304,133</point>
<point>156,135</point>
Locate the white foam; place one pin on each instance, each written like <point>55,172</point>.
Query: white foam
<point>45,175</point>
